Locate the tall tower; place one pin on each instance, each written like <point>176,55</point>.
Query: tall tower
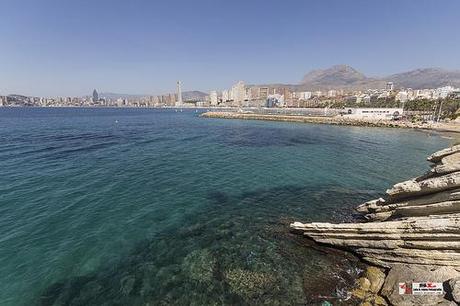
<point>179,93</point>
<point>95,96</point>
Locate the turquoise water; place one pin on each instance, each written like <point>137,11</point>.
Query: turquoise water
<point>133,206</point>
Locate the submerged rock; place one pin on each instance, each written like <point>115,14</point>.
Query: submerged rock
<point>127,284</point>
<point>199,265</point>
<point>249,284</point>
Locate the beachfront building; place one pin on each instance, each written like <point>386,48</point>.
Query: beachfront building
<point>443,92</point>
<point>332,93</point>
<point>373,113</point>
<point>304,95</point>
<point>238,93</point>
<point>402,96</point>
<point>177,102</point>
<point>213,98</point>
<point>275,100</point>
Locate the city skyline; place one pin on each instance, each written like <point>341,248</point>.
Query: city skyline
<point>57,48</point>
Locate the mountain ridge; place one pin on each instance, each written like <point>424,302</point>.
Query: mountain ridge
<point>347,77</point>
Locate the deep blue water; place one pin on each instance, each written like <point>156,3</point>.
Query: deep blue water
<point>137,206</point>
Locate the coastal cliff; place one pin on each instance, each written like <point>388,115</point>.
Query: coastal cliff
<point>410,235</point>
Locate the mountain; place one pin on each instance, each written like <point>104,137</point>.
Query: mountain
<point>426,78</point>
<point>193,95</point>
<point>346,77</point>
<point>339,75</point>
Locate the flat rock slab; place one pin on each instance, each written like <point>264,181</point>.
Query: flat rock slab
<point>438,156</point>
<point>412,188</point>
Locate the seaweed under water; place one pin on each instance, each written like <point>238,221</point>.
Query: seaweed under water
<point>221,257</point>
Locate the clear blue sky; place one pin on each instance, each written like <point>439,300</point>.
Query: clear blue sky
<point>69,47</point>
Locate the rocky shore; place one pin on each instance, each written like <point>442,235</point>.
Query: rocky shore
<point>410,235</point>
<point>333,120</point>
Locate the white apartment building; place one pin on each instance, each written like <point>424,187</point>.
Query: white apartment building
<point>443,92</point>
<point>238,92</point>
<point>304,95</point>
<point>332,93</point>
<point>318,93</point>
<point>402,96</point>
<point>225,96</point>
<point>213,98</point>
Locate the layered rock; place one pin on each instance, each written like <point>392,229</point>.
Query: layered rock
<point>417,224</point>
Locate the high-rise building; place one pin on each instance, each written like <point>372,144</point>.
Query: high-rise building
<point>213,97</point>
<point>225,96</point>
<point>263,93</point>
<point>179,94</point>
<point>238,93</point>
<point>305,95</point>
<point>95,96</point>
<point>390,86</point>
<point>332,93</point>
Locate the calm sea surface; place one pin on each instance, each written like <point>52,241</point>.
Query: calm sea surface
<point>133,206</point>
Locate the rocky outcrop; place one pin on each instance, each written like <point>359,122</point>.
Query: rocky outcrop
<point>437,156</point>
<point>454,287</point>
<point>368,287</point>
<point>412,231</point>
<point>416,273</point>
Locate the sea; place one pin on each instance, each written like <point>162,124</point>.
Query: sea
<point>103,206</point>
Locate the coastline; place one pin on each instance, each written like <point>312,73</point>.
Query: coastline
<point>334,120</point>
<point>410,236</point>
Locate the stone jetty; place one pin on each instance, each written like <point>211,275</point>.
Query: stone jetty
<point>331,120</point>
<point>410,235</point>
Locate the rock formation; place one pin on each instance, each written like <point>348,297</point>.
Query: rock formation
<point>416,227</point>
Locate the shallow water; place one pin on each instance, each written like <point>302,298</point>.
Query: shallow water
<point>133,206</point>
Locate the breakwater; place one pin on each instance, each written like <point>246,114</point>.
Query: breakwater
<point>410,235</point>
<point>332,120</point>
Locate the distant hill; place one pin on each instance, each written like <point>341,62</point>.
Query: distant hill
<point>114,96</point>
<point>346,77</point>
<point>426,78</point>
<point>193,95</point>
<point>186,95</point>
<point>338,77</point>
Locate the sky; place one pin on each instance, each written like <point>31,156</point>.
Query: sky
<point>70,47</point>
